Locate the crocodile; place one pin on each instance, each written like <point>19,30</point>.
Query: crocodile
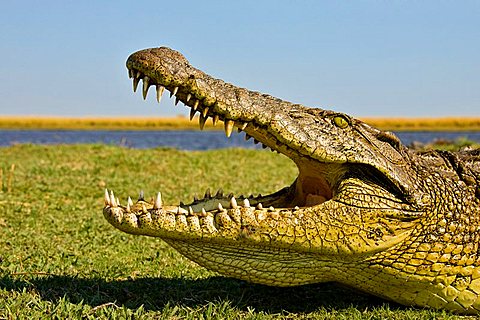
<point>365,210</point>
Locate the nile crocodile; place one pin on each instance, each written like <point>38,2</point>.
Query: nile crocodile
<point>364,211</point>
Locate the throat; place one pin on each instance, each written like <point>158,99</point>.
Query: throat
<point>311,190</point>
<point>315,183</point>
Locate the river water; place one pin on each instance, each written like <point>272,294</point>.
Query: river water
<point>182,139</point>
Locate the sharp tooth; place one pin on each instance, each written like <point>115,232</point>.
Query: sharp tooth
<point>259,206</point>
<point>130,73</point>
<point>189,96</point>
<point>215,119</point>
<point>204,213</point>
<point>244,125</point>
<point>135,83</point>
<point>141,195</point>
<point>158,201</point>
<point>160,90</point>
<point>146,85</point>
<point>219,193</point>
<point>113,202</point>
<point>129,201</point>
<point>128,207</point>
<point>192,113</point>
<point>177,99</point>
<point>195,105</point>
<point>201,121</point>
<point>138,75</point>
<point>271,209</point>
<point>144,209</point>
<point>106,198</point>
<point>228,127</point>
<point>205,111</point>
<point>180,210</point>
<point>246,203</point>
<point>233,203</point>
<point>118,202</point>
<point>208,195</point>
<point>190,211</point>
<point>174,92</point>
<point>220,207</point>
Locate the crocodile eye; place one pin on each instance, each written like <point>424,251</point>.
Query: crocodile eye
<point>340,121</point>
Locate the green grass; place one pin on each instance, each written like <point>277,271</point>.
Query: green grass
<point>60,259</point>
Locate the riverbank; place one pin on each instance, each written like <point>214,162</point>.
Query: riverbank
<point>183,123</point>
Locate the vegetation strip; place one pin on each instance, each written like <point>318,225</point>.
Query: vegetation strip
<point>183,123</point>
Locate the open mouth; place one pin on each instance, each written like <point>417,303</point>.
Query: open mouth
<point>314,185</point>
<point>321,178</point>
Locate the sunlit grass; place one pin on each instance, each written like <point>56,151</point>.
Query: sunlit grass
<point>180,122</point>
<point>60,259</point>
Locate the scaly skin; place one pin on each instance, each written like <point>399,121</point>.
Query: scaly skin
<point>364,210</point>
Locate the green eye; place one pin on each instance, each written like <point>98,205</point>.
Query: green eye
<point>340,121</point>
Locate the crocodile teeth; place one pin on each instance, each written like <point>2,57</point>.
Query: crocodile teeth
<point>259,206</point>
<point>204,213</point>
<point>233,203</point>
<point>220,207</point>
<point>174,92</point>
<point>130,73</point>
<point>113,202</point>
<point>160,90</point>
<point>246,203</point>
<point>215,119</point>
<point>190,210</point>
<point>228,127</point>
<point>195,105</point>
<point>141,195</point>
<point>192,113</point>
<point>244,125</point>
<point>129,201</point>
<point>135,83</point>
<point>180,210</point>
<point>205,111</point>
<point>208,195</point>
<point>201,121</point>
<point>189,96</point>
<point>106,198</point>
<point>128,207</point>
<point>146,85</point>
<point>158,201</point>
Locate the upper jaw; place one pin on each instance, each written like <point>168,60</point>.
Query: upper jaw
<point>252,112</point>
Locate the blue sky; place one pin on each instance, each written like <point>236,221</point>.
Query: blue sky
<point>365,58</point>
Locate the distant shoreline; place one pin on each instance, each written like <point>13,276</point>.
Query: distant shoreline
<point>183,123</point>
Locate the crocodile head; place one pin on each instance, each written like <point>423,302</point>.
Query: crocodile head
<point>355,194</point>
